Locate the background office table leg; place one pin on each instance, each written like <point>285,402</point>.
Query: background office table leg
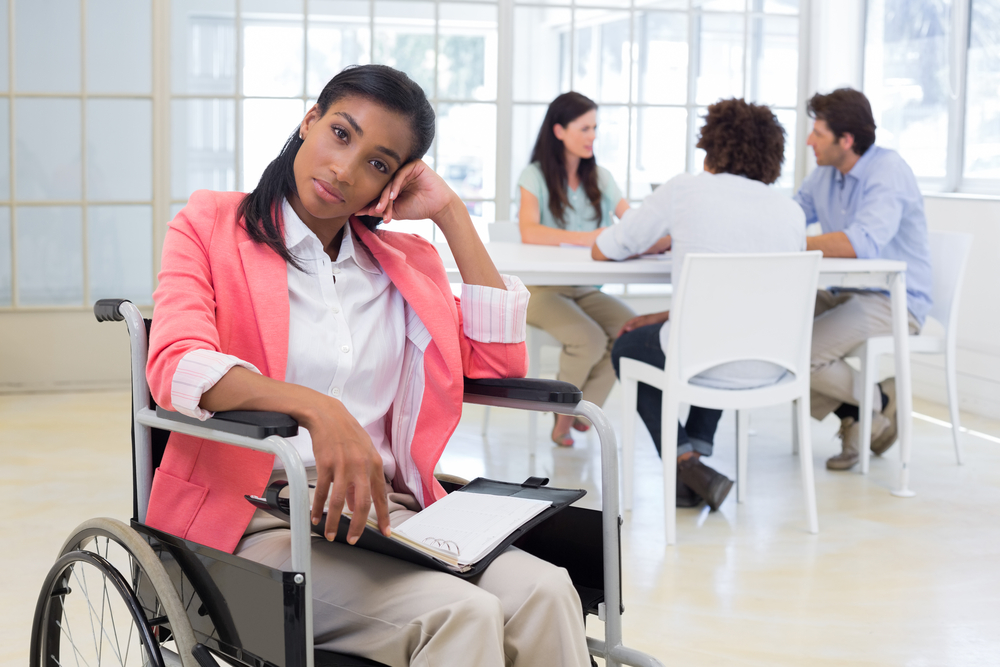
<point>904,387</point>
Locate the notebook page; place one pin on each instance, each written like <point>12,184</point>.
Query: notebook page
<point>469,525</point>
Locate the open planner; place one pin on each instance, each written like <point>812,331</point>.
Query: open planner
<point>461,533</point>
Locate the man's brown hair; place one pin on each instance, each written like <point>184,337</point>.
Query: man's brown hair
<point>846,111</point>
<point>743,139</point>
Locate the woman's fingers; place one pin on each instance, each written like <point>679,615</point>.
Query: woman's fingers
<point>381,501</point>
<point>362,502</point>
<point>336,508</point>
<point>319,498</point>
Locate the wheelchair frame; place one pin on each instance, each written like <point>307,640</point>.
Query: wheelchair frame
<point>521,394</point>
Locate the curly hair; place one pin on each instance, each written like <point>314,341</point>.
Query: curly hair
<point>743,139</point>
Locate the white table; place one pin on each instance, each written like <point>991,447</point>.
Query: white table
<point>551,265</point>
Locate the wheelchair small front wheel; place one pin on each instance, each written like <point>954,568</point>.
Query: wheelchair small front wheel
<point>88,614</point>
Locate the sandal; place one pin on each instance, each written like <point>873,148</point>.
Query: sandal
<point>581,425</point>
<point>565,441</point>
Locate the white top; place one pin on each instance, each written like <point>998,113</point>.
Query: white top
<point>712,213</point>
<point>347,332</point>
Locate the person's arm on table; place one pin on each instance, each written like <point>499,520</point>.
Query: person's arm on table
<point>834,244</point>
<point>533,231</point>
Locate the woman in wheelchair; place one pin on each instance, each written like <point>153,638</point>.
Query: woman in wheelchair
<point>289,299</point>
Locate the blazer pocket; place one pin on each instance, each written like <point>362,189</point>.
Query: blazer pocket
<point>173,503</point>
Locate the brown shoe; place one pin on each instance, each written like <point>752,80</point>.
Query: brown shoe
<point>888,437</point>
<point>708,483</point>
<point>850,435</point>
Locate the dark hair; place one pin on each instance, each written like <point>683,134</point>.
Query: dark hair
<point>846,111</point>
<point>743,139</point>
<point>383,85</point>
<point>550,153</point>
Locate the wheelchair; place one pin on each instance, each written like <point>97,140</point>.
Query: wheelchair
<point>125,594</point>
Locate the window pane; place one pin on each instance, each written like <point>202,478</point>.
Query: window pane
<point>541,53</point>
<point>339,35</point>
<point>203,46</point>
<point>775,6</point>
<point>267,124</point>
<point>720,57</point>
<point>202,146</point>
<point>789,120</point>
<point>982,125</point>
<point>696,165</point>
<point>467,148</point>
<point>272,47</point>
<point>404,39</point>
<point>49,257</point>
<point>663,58</point>
<point>661,4</point>
<point>467,62</point>
<point>773,62</point>
<point>120,253</point>
<point>602,55</point>
<point>906,79</point>
<point>526,122</point>
<point>119,50</point>
<point>611,146</point>
<point>47,39</point>
<point>119,150</point>
<point>4,48</point>
<point>48,149</point>
<point>720,5</point>
<point>6,298</point>
<point>658,143</point>
<point>4,149</point>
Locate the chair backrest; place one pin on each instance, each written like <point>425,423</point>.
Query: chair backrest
<point>949,254</point>
<point>743,307</point>
<point>505,232</point>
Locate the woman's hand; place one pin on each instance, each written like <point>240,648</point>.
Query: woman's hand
<point>347,460</point>
<point>645,320</point>
<point>415,192</point>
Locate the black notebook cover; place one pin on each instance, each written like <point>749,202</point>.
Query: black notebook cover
<point>534,488</point>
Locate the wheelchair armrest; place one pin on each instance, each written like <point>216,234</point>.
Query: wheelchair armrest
<point>248,423</point>
<point>525,389</point>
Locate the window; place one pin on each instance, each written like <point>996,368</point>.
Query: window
<point>653,66</point>
<point>76,152</point>
<point>245,71</point>
<point>932,74</point>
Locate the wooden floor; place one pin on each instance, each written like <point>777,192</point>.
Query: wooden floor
<point>888,581</point>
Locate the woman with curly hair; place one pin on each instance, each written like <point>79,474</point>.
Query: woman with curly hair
<point>728,208</point>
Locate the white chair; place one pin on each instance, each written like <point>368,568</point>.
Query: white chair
<point>730,308</point>
<point>949,252</point>
<point>510,232</point>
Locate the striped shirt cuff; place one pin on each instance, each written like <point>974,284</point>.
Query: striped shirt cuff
<point>197,372</point>
<point>491,315</point>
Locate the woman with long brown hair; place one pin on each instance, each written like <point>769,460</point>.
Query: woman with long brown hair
<point>566,198</point>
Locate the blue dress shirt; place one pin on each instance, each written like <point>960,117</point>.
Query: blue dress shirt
<point>878,205</point>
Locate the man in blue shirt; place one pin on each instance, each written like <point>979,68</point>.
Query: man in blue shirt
<point>869,206</point>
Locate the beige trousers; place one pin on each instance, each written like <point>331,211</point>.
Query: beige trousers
<point>844,320</point>
<point>520,612</point>
<point>586,321</point>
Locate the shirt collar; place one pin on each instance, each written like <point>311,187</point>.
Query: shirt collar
<point>860,168</point>
<point>297,232</point>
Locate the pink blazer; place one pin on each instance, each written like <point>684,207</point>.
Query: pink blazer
<point>219,290</point>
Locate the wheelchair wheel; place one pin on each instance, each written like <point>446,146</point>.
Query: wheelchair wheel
<point>108,600</point>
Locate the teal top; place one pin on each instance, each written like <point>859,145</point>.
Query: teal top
<point>579,215</point>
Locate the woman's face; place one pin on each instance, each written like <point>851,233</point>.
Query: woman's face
<point>578,135</point>
<point>348,156</point>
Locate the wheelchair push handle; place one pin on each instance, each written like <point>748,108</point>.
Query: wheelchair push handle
<point>106,310</point>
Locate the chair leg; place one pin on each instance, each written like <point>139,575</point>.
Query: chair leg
<point>806,461</point>
<point>532,433</point>
<point>742,452</point>
<point>795,430</point>
<point>486,420</point>
<point>629,411</point>
<point>952,383</point>
<point>668,440</point>
<point>865,396</point>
